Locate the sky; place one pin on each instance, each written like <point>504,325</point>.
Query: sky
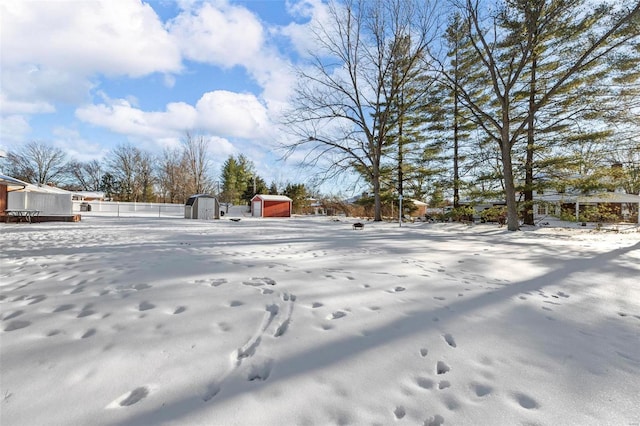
<point>87,76</point>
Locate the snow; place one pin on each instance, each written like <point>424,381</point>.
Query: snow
<point>305,321</point>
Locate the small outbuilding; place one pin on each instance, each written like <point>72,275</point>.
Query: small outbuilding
<point>271,206</point>
<point>202,206</point>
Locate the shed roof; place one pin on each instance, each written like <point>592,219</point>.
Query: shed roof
<point>267,197</point>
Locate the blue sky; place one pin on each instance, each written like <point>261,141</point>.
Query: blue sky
<point>87,76</point>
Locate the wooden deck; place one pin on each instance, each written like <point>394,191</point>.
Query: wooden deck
<point>43,218</point>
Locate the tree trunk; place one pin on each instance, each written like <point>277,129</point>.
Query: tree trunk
<point>528,178</point>
<point>507,171</point>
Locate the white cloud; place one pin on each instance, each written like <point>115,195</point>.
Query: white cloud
<point>233,114</point>
<point>222,113</point>
<point>123,37</point>
<point>13,129</point>
<point>52,51</point>
<point>75,146</point>
<point>223,35</point>
<point>316,14</point>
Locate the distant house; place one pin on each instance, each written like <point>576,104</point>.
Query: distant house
<point>625,206</point>
<point>271,206</point>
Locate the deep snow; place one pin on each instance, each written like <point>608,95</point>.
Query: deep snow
<point>144,321</point>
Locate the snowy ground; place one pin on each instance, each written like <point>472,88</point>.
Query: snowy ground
<point>304,321</point>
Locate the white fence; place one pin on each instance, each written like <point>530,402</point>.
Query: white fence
<point>47,203</point>
<point>126,209</point>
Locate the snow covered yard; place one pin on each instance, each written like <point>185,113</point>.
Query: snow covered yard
<point>305,321</point>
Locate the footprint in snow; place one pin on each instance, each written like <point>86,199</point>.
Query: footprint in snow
<point>13,315</point>
<point>449,339</point>
<point>444,384</point>
<point>88,333</point>
<point>261,371</point>
<point>258,281</point>
<point>423,352</point>
<point>439,298</point>
<point>481,390</point>
<point>398,289</point>
<point>526,401</point>
<point>17,325</point>
<point>145,306</point>
<point>179,310</point>
<point>63,308</point>
<point>336,315</point>
<point>134,396</point>
<point>442,367</point>
<point>424,383</point>
<point>436,420</point>
<point>316,305</point>
<point>399,412</point>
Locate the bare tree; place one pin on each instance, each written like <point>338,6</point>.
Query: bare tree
<point>38,163</point>
<point>196,157</point>
<point>342,115</point>
<point>87,176</point>
<point>132,171</point>
<point>172,176</point>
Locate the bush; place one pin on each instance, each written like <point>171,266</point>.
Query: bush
<point>494,214</point>
<point>462,213</point>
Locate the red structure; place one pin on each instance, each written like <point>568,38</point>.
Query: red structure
<point>270,206</point>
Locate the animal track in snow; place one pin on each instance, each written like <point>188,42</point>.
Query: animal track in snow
<point>442,367</point>
<point>439,298</point>
<point>444,384</point>
<point>336,315</point>
<point>86,311</point>
<point>261,371</point>
<point>179,310</point>
<point>235,303</point>
<point>526,401</point>
<point>398,289</point>
<point>449,339</point>
<point>36,299</point>
<point>258,281</point>
<point>17,325</point>
<point>423,352</point>
<point>436,420</point>
<point>399,412</point>
<point>316,305</point>
<point>13,315</point>
<point>212,390</point>
<point>63,308</point>
<point>145,306</point>
<point>424,383</point>
<point>134,396</point>
<point>481,390</point>
<point>88,333</point>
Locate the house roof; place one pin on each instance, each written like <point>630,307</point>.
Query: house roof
<point>45,189</point>
<point>12,183</point>
<point>266,197</point>
<point>604,197</point>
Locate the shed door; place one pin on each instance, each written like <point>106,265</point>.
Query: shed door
<point>257,209</point>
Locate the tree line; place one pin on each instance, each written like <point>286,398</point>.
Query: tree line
<point>128,173</point>
<point>481,100</point>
